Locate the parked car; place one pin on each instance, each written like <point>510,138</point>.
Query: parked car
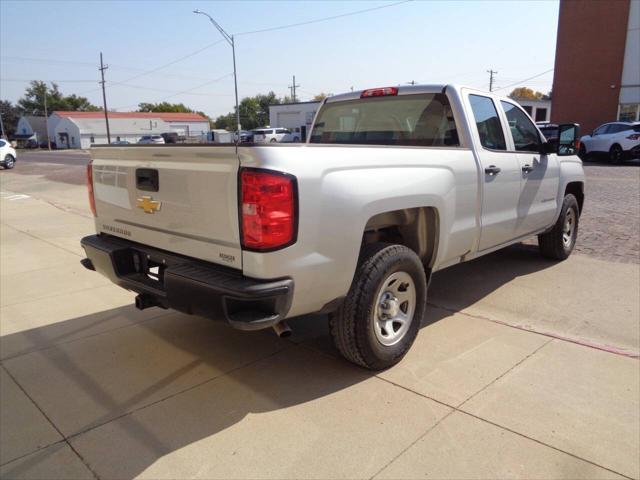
<point>272,135</point>
<point>151,139</point>
<point>617,140</point>
<point>246,136</point>
<point>8,154</point>
<point>393,184</point>
<point>121,142</point>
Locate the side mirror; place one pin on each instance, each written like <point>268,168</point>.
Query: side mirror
<point>568,139</point>
<point>549,147</point>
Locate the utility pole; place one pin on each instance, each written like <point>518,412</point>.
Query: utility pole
<point>46,118</point>
<point>102,68</point>
<point>230,40</point>
<point>491,74</point>
<point>293,90</point>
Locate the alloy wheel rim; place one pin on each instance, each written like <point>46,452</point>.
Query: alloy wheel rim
<point>568,228</point>
<point>394,308</point>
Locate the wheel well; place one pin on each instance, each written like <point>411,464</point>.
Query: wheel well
<point>577,189</point>
<point>415,228</point>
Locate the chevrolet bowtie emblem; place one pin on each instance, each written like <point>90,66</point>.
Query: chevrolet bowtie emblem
<point>148,205</point>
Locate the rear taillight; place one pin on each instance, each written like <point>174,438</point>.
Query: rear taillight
<point>634,136</point>
<point>92,200</point>
<point>268,209</point>
<point>379,92</point>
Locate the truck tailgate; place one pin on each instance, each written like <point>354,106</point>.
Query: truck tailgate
<point>182,199</point>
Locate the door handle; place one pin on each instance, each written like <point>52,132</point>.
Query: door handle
<point>492,170</point>
<point>527,168</point>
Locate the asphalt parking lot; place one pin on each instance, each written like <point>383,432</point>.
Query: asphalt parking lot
<point>524,368</point>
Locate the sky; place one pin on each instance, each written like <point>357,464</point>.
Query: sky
<point>162,51</point>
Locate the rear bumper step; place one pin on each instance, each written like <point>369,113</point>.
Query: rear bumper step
<point>191,286</point>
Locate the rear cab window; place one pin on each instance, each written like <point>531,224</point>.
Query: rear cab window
<point>410,120</point>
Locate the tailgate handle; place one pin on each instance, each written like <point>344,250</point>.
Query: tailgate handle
<point>147,179</point>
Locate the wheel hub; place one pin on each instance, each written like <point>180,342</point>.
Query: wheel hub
<point>395,305</point>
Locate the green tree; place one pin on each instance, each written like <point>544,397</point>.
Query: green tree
<point>10,115</point>
<point>321,96</point>
<point>32,103</point>
<point>254,112</point>
<point>164,107</point>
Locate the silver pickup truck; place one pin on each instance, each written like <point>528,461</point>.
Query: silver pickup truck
<point>393,184</point>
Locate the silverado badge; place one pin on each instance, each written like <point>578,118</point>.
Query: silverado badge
<point>148,205</point>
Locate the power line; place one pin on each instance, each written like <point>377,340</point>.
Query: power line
<point>318,20</point>
<point>525,80</point>
<point>183,92</point>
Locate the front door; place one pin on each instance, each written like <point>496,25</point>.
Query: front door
<point>500,172</point>
<point>540,174</point>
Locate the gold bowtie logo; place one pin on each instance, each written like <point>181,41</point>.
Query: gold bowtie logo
<point>148,205</point>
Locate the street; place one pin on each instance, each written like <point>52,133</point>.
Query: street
<point>524,368</point>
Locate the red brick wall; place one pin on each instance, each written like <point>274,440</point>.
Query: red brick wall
<point>589,58</point>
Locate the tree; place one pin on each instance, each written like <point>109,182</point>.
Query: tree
<point>32,103</point>
<point>321,96</point>
<point>164,107</point>
<point>10,116</point>
<point>526,93</point>
<point>254,112</point>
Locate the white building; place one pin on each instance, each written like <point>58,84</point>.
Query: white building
<point>629,103</point>
<point>31,129</point>
<point>81,129</point>
<point>297,117</point>
<point>539,110</point>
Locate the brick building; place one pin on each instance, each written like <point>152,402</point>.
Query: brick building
<point>597,72</point>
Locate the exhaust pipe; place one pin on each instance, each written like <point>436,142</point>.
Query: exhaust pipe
<point>145,301</point>
<point>282,329</point>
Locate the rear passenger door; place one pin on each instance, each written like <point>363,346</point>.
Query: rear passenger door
<point>540,174</point>
<point>500,173</point>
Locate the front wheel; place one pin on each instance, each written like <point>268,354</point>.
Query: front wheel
<point>9,162</point>
<point>616,154</point>
<point>558,243</point>
<point>380,317</point>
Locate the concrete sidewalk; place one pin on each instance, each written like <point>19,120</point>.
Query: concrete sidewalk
<point>523,369</point>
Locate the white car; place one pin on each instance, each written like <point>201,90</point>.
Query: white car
<point>152,139</point>
<point>617,140</point>
<point>272,135</point>
<point>7,154</point>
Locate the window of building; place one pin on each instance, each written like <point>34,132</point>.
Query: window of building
<point>524,132</point>
<point>541,114</point>
<point>487,122</point>
<point>528,109</point>
<point>92,139</point>
<point>117,138</point>
<point>73,140</point>
<point>629,112</point>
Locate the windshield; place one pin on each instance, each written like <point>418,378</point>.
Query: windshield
<point>418,120</point>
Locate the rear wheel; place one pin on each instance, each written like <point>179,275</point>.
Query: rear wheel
<point>273,140</point>
<point>558,243</point>
<point>616,154</point>
<point>380,318</point>
<point>582,153</point>
<point>9,162</point>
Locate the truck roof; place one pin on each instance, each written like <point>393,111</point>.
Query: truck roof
<point>405,90</point>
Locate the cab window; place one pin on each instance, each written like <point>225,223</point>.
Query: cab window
<point>487,122</point>
<point>523,131</point>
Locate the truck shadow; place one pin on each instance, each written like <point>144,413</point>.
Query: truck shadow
<point>128,391</point>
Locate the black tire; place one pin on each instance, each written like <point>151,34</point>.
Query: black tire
<point>353,326</point>
<point>557,244</point>
<point>9,162</point>
<point>273,140</point>
<point>582,153</point>
<point>616,154</point>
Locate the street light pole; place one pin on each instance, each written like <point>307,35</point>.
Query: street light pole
<point>230,40</point>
